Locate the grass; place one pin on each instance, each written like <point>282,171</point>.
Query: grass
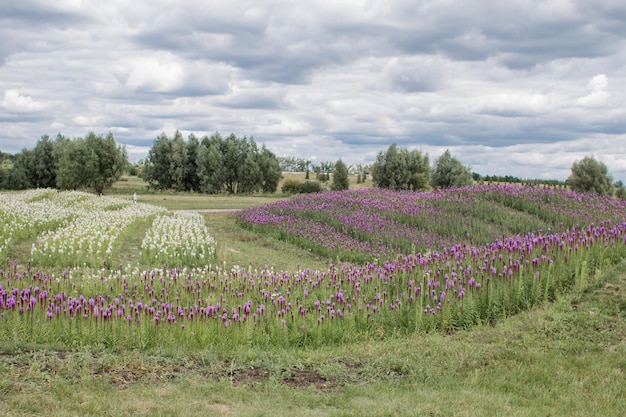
<point>566,358</point>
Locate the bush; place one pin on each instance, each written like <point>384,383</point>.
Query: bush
<point>309,187</point>
<point>292,187</point>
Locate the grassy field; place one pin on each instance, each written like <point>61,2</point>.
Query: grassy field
<point>567,358</point>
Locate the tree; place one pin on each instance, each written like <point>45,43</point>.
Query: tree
<point>340,177</point>
<point>178,162</point>
<point>270,170</point>
<point>78,162</point>
<point>192,181</point>
<point>95,161</point>
<point>43,169</point>
<point>210,165</point>
<point>400,169</point>
<point>589,175</point>
<point>157,166</point>
<point>450,172</point>
<point>110,161</point>
<point>17,178</point>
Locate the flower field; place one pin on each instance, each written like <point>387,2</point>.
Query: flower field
<point>181,240</point>
<point>407,263</point>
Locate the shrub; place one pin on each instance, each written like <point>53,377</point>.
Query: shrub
<point>292,187</point>
<point>309,187</point>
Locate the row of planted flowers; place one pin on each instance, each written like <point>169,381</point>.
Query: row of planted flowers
<point>220,307</point>
<point>92,232</point>
<point>182,239</point>
<point>362,225</point>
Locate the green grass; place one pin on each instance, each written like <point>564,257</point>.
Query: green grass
<point>568,358</point>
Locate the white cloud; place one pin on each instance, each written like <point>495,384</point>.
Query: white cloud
<point>14,101</point>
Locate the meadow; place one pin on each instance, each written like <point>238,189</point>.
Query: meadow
<point>491,300</point>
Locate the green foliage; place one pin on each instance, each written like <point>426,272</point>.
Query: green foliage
<point>450,172</point>
<point>589,175</point>
<point>400,169</point>
<point>291,187</point>
<point>308,187</point>
<point>211,165</point>
<point>95,161</point>
<point>340,177</point>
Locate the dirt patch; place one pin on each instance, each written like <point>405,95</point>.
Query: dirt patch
<point>303,378</point>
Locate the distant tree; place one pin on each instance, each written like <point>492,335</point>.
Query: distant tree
<point>419,170</point>
<point>44,165</point>
<point>450,172</point>
<point>77,163</point>
<point>589,175</point>
<point>210,165</point>
<point>178,162</point>
<point>192,180</point>
<point>399,169</point>
<point>158,162</point>
<point>340,177</point>
<point>110,161</point>
<point>270,171</point>
<point>18,176</point>
<point>95,161</point>
<point>391,169</point>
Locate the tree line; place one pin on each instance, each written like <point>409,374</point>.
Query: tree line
<point>95,161</point>
<point>237,165</point>
<point>212,164</point>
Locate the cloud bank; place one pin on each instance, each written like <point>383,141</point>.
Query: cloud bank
<point>521,87</point>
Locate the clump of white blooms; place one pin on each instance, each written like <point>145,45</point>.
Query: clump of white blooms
<point>181,239</point>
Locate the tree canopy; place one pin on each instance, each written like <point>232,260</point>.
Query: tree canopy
<point>589,175</point>
<point>95,161</point>
<point>401,169</point>
<point>450,172</point>
<point>340,177</point>
<point>211,165</point>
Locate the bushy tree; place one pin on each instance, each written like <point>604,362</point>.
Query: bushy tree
<point>44,166</point>
<point>399,169</point>
<point>156,171</point>
<point>95,161</point>
<point>270,170</point>
<point>210,165</point>
<point>589,175</point>
<point>340,177</point>
<point>450,172</point>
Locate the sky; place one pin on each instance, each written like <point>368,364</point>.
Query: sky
<point>516,87</point>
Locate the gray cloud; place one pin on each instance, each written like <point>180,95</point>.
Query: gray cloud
<point>521,87</point>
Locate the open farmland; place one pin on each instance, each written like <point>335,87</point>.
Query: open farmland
<point>409,269</point>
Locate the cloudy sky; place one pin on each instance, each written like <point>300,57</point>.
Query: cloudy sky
<point>519,87</point>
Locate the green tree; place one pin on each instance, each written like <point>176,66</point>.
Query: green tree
<point>95,161</point>
<point>450,172</point>
<point>110,161</point>
<point>178,162</point>
<point>192,180</point>
<point>399,169</point>
<point>44,165</point>
<point>18,177</point>
<point>158,162</point>
<point>210,165</point>
<point>589,175</point>
<point>78,162</point>
<point>270,170</point>
<point>340,177</point>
